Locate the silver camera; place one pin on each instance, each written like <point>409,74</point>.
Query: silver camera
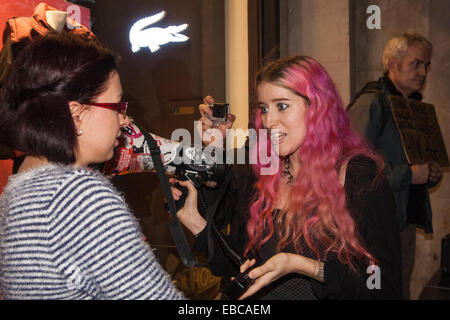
<point>220,112</point>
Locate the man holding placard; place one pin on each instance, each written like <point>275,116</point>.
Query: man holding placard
<point>385,112</point>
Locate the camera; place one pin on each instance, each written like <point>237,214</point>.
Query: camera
<point>220,112</point>
<point>198,164</point>
<point>239,285</point>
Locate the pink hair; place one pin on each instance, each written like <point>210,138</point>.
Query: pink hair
<point>317,211</point>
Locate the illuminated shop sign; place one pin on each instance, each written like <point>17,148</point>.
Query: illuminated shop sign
<point>154,38</point>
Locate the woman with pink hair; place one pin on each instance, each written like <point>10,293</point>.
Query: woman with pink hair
<point>323,226</point>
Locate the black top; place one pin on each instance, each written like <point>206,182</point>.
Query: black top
<point>371,203</point>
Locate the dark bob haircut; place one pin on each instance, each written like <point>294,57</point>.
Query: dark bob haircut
<point>35,117</point>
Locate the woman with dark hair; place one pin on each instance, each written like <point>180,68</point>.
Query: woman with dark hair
<point>323,225</point>
<point>66,232</point>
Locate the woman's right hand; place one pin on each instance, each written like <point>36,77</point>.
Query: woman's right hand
<point>189,215</point>
<point>208,127</point>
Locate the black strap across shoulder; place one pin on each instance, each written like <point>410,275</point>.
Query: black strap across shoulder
<point>379,88</point>
<point>209,212</point>
<point>178,236</point>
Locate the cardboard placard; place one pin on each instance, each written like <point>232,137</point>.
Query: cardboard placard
<point>419,130</point>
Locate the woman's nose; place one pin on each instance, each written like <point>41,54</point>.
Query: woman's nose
<point>270,119</point>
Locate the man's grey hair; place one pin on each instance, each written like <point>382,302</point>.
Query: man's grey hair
<point>396,47</point>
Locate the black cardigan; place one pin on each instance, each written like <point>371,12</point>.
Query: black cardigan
<point>371,205</point>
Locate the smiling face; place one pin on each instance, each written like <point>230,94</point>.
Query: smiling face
<point>100,127</point>
<point>283,114</point>
<point>409,74</point>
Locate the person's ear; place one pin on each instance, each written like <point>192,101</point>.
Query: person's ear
<point>395,64</point>
<point>78,114</point>
<point>391,64</point>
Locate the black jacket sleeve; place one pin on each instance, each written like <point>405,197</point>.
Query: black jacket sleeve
<point>232,213</point>
<point>369,118</point>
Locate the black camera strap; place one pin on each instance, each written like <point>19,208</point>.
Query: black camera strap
<point>209,211</point>
<point>175,228</point>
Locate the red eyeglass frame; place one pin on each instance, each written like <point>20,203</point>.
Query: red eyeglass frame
<point>120,107</point>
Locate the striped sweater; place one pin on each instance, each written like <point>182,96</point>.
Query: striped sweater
<point>66,233</point>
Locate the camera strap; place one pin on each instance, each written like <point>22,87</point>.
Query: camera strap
<point>209,211</point>
<point>178,236</point>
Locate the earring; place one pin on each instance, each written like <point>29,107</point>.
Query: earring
<point>80,132</point>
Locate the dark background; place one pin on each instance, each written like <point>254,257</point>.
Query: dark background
<point>179,74</point>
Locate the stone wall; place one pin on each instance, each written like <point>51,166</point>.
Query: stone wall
<point>319,29</point>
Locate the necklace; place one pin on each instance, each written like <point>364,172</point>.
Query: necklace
<point>286,172</point>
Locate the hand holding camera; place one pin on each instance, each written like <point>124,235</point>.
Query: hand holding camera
<point>239,284</point>
<point>214,116</point>
<point>185,195</point>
